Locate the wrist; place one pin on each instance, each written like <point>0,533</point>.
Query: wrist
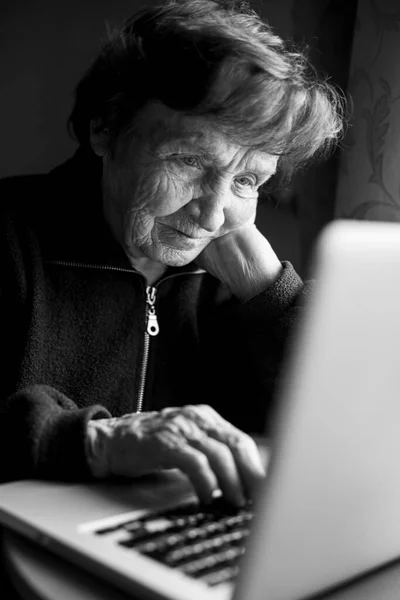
<point>251,264</point>
<point>98,437</point>
<point>247,287</point>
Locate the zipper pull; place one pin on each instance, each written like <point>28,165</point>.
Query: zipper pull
<point>152,323</point>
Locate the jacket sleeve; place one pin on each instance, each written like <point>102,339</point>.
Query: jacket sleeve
<point>42,432</point>
<point>249,356</point>
<point>42,435</point>
<point>279,307</point>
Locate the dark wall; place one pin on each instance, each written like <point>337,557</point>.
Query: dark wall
<point>45,47</point>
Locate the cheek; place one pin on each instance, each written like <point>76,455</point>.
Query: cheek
<point>160,193</point>
<point>242,211</point>
<point>152,189</point>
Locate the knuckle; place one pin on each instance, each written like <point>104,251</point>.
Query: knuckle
<point>208,409</point>
<point>189,410</point>
<point>239,440</point>
<point>181,422</point>
<point>170,427</point>
<point>168,412</point>
<point>203,414</point>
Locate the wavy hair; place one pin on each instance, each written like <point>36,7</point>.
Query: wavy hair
<point>219,59</point>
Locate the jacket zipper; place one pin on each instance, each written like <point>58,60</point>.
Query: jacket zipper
<point>152,327</point>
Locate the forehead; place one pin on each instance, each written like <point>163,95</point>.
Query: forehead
<point>160,127</point>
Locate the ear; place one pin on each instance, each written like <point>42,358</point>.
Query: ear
<point>99,138</point>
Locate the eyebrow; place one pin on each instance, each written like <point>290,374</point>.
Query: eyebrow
<point>196,139</point>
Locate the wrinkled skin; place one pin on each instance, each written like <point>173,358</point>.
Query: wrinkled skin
<point>196,439</point>
<point>174,183</point>
<point>176,189</point>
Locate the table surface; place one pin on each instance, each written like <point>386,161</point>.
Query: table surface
<point>40,575</point>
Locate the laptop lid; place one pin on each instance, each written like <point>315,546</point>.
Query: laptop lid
<point>330,507</point>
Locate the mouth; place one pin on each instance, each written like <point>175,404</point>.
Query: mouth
<point>179,240</point>
<point>189,236</point>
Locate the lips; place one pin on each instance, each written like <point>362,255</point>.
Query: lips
<point>192,237</point>
<point>188,235</point>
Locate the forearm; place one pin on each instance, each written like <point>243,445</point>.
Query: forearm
<point>253,338</point>
<point>278,307</point>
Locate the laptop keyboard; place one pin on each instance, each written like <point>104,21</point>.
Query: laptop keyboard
<point>203,541</point>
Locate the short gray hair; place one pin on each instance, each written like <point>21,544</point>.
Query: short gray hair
<point>219,59</point>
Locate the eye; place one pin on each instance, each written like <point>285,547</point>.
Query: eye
<point>246,181</point>
<point>191,161</point>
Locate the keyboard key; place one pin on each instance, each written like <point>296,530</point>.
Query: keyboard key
<point>203,541</point>
<point>208,563</point>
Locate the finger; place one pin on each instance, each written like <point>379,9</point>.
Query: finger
<point>248,461</point>
<point>224,466</point>
<point>220,457</point>
<point>196,467</point>
<point>242,446</point>
<point>201,422</point>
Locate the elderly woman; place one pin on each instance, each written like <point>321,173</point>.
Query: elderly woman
<point>143,314</point>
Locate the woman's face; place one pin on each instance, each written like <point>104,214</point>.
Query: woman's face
<point>174,183</point>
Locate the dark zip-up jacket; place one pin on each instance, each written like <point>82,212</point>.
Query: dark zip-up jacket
<point>73,329</point>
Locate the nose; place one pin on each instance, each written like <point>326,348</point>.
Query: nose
<point>207,209</point>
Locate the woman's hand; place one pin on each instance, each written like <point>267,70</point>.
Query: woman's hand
<point>195,439</point>
<point>242,259</point>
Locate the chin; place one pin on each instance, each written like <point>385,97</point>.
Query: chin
<point>172,257</point>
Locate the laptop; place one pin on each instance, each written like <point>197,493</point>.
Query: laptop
<point>329,509</point>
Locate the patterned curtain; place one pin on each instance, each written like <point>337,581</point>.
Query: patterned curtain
<point>369,176</point>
